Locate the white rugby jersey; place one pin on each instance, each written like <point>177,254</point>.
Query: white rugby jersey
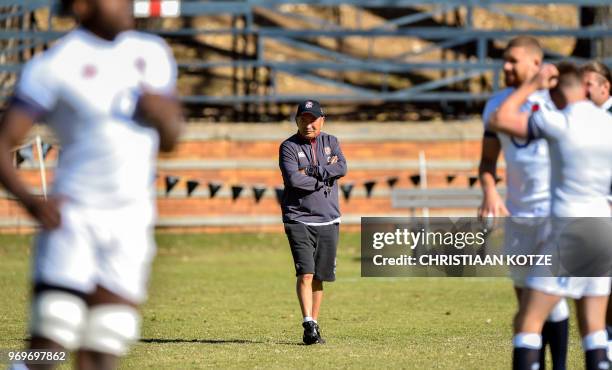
<point>86,88</point>
<point>527,162</point>
<point>581,157</point>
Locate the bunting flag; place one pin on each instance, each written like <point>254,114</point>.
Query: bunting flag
<point>472,180</point>
<point>171,182</point>
<point>346,190</point>
<point>369,186</point>
<point>25,154</point>
<point>258,192</point>
<point>236,190</point>
<point>391,181</point>
<point>191,186</point>
<point>279,194</point>
<point>498,179</point>
<point>46,148</point>
<point>415,179</point>
<point>213,188</point>
<point>450,178</point>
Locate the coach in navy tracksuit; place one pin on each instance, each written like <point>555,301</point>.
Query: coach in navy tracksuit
<point>311,162</point>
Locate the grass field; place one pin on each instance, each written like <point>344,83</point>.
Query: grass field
<point>227,301</point>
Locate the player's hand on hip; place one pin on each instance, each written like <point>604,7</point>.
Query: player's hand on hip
<point>492,206</point>
<point>45,211</point>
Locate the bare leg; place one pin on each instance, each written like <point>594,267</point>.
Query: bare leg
<point>43,343</point>
<point>591,312</point>
<point>317,298</point>
<point>91,360</point>
<point>304,292</point>
<point>533,311</point>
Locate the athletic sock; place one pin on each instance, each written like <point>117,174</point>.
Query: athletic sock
<point>609,330</point>
<point>308,318</point>
<point>554,334</point>
<point>526,354</point>
<point>595,345</point>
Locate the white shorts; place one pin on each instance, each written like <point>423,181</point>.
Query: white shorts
<point>571,287</point>
<point>113,248</point>
<point>523,236</point>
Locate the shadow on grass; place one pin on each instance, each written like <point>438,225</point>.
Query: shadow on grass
<point>214,341</point>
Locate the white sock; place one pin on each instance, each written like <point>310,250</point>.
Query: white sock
<point>308,318</point>
<point>559,313</point>
<point>595,340</point>
<point>527,340</point>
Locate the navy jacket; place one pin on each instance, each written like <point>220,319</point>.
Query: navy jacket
<point>314,197</point>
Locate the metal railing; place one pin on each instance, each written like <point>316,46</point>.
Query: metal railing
<point>479,55</point>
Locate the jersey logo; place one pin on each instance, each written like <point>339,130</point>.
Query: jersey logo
<point>301,155</point>
<point>89,71</point>
<point>327,150</point>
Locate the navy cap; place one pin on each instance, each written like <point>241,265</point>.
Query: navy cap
<point>310,106</point>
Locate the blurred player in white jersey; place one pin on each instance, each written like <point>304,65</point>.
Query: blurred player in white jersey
<point>109,95</point>
<point>527,185</point>
<point>578,135</point>
<point>598,81</point>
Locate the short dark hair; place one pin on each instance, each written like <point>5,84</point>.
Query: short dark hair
<point>527,42</point>
<point>569,75</point>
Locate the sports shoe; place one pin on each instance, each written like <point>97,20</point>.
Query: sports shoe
<point>320,339</point>
<point>311,333</point>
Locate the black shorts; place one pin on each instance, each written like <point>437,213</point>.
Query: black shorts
<point>314,249</point>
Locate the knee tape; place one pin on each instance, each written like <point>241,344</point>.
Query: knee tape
<point>60,317</point>
<point>111,329</point>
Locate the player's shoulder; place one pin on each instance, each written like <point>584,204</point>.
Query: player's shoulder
<point>56,55</point>
<point>540,97</point>
<point>589,111</point>
<point>498,97</point>
<point>494,102</point>
<point>290,142</point>
<point>144,41</point>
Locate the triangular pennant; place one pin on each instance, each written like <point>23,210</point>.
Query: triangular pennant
<point>171,182</point>
<point>450,178</point>
<point>46,148</point>
<point>472,180</point>
<point>236,190</point>
<point>498,179</point>
<point>191,186</point>
<point>369,186</point>
<point>213,188</point>
<point>415,179</point>
<point>258,192</point>
<point>391,181</point>
<point>279,194</point>
<point>346,190</point>
<point>25,154</point>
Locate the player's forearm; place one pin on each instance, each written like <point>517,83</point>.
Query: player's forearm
<point>164,114</point>
<point>332,171</point>
<point>487,182</point>
<point>509,119</point>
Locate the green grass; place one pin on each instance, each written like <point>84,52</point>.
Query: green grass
<point>228,301</point>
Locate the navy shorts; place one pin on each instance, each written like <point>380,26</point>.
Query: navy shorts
<point>314,249</point>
